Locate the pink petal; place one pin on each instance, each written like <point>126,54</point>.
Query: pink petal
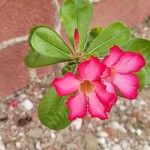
<point>106,97</point>
<point>106,73</point>
<point>77,106</point>
<point>96,108</point>
<point>66,85</point>
<point>127,84</point>
<point>109,87</point>
<point>129,62</point>
<point>90,69</point>
<point>113,57</point>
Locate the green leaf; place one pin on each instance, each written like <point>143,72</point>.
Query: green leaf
<point>70,67</point>
<point>93,34</point>
<point>76,14</point>
<point>142,46</point>
<point>35,59</point>
<point>114,34</point>
<point>144,77</point>
<point>48,43</point>
<point>52,111</point>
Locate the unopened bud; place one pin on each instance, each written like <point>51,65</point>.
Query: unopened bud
<point>76,37</point>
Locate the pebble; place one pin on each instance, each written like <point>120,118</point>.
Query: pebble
<point>27,104</point>
<point>90,142</point>
<point>122,108</point>
<point>22,97</point>
<point>116,147</point>
<point>35,133</point>
<point>59,139</point>
<point>139,132</point>
<point>103,134</point>
<point>18,144</point>
<point>117,126</point>
<point>102,141</point>
<point>53,135</point>
<point>77,124</point>
<point>72,146</point>
<point>2,146</point>
<point>146,147</point>
<point>38,146</point>
<point>125,145</point>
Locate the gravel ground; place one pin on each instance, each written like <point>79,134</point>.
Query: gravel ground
<point>127,129</point>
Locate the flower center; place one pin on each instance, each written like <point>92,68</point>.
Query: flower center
<point>113,72</point>
<point>86,87</point>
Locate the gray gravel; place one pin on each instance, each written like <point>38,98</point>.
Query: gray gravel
<point>127,129</point>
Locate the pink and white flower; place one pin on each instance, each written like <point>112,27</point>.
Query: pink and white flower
<point>121,69</point>
<point>90,95</point>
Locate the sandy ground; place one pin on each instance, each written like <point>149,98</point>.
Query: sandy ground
<point>127,129</point>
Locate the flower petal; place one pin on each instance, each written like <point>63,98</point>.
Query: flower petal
<point>113,57</point>
<point>106,97</point>
<point>66,85</point>
<point>106,73</point>
<point>90,69</point>
<point>96,108</point>
<point>130,62</point>
<point>77,106</point>
<point>127,84</point>
<point>110,87</point>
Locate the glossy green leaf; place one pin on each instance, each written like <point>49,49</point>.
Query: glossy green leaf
<point>52,111</point>
<point>144,76</point>
<point>114,34</point>
<point>70,67</point>
<point>92,35</point>
<point>142,46</point>
<point>48,43</point>
<point>76,14</point>
<point>35,59</point>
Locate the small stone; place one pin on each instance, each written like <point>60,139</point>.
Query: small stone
<point>117,126</point>
<point>102,141</point>
<point>125,145</point>
<point>103,134</point>
<point>122,107</point>
<point>35,133</point>
<point>77,124</point>
<point>116,147</point>
<point>90,125</point>
<point>139,132</point>
<point>21,134</point>
<point>132,129</point>
<point>38,145</point>
<point>27,104</point>
<point>18,144</point>
<point>2,146</point>
<point>59,139</point>
<point>146,147</point>
<point>22,97</point>
<point>72,146</point>
<point>53,135</point>
<point>90,142</point>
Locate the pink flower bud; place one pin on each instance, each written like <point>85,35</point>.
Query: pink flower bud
<point>76,37</point>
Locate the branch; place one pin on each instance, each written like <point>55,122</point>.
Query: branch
<point>13,41</point>
<point>58,30</point>
<point>57,19</point>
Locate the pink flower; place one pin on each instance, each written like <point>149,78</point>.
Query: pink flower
<point>90,94</point>
<point>121,69</point>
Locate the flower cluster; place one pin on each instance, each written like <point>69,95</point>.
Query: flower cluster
<point>95,85</point>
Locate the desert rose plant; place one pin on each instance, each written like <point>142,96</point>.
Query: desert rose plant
<point>100,65</point>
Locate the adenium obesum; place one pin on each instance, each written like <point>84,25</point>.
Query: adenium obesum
<point>95,85</point>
